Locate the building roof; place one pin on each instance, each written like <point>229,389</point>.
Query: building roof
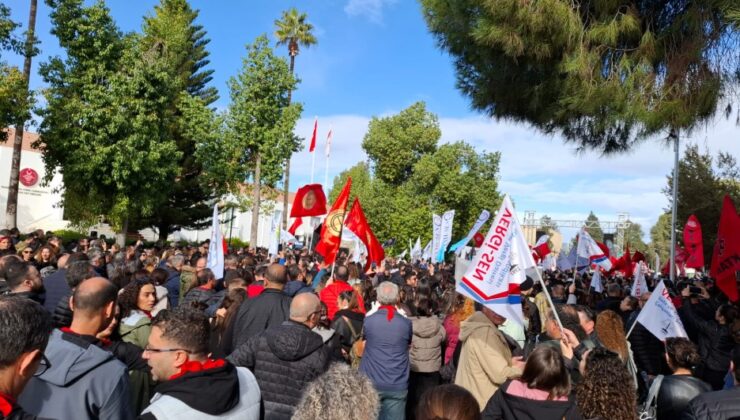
<point>28,139</point>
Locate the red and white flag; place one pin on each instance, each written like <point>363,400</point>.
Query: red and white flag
<point>312,145</point>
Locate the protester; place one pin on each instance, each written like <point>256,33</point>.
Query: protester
<point>44,258</point>
<point>76,272</point>
<point>677,390</point>
<point>479,374</point>
<point>348,322</point>
<point>610,330</point>
<point>192,385</point>
<point>606,390</point>
<point>137,300</point>
<point>425,354</point>
<point>83,381</point>
<point>23,279</point>
<point>225,315</point>
<point>24,331</point>
<point>174,267</point>
<point>448,402</point>
<point>339,394</point>
<point>330,293</point>
<point>386,357</point>
<point>543,391</point>
<point>270,308</point>
<point>203,294</point>
<point>159,277</point>
<point>718,405</point>
<point>286,357</point>
<point>459,309</point>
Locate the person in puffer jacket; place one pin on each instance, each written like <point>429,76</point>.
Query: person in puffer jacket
<point>286,358</point>
<point>425,355</point>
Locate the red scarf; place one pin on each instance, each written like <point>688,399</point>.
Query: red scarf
<point>104,341</point>
<point>148,314</point>
<point>391,311</point>
<point>6,404</point>
<point>195,366</point>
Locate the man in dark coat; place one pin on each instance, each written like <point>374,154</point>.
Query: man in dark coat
<point>718,405</point>
<point>286,357</point>
<point>270,308</point>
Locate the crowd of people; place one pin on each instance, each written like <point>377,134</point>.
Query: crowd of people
<point>91,330</point>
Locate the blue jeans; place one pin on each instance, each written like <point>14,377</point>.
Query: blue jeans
<point>392,405</point>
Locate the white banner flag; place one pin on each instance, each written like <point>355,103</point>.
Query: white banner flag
<point>416,250</point>
<point>426,254</point>
<point>494,274</point>
<point>216,248</point>
<point>436,236</point>
<point>639,285</point>
<point>275,232</point>
<point>458,247</point>
<point>596,282</point>
<point>660,317</point>
<point>446,234</point>
<point>287,237</point>
<point>588,248</point>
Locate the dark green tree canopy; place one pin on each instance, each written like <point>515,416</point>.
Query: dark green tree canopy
<point>605,74</point>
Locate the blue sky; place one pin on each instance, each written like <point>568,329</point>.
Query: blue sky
<point>374,58</point>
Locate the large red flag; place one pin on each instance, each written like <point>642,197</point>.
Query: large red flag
<point>540,251</point>
<point>309,201</point>
<point>296,224</point>
<point>693,242</point>
<point>357,223</point>
<point>312,146</point>
<point>726,256</point>
<point>331,230</point>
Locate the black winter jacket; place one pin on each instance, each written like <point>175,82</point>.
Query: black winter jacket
<point>343,330</point>
<point>56,288</point>
<point>257,314</point>
<point>503,406</point>
<point>676,391</point>
<point>62,315</point>
<point>714,340</point>
<point>648,351</point>
<point>202,296</point>
<point>284,359</point>
<point>718,405</point>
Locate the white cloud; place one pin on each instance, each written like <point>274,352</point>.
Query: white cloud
<point>370,9</point>
<point>540,172</point>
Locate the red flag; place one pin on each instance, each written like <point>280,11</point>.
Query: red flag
<point>312,146</point>
<point>604,249</point>
<point>309,201</point>
<point>357,223</point>
<point>224,245</point>
<point>726,256</point>
<point>478,238</point>
<point>637,257</point>
<point>331,230</point>
<point>541,250</point>
<point>693,242</point>
<point>297,223</point>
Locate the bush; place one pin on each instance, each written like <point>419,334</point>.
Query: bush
<point>68,236</point>
<point>237,243</point>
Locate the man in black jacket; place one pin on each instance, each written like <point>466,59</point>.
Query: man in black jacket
<point>269,309</point>
<point>718,405</point>
<point>285,358</point>
<point>23,279</point>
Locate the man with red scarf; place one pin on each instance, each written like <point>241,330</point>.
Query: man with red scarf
<point>386,357</point>
<point>192,385</point>
<point>24,331</point>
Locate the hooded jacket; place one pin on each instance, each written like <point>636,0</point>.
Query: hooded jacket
<point>82,382</point>
<point>135,328</point>
<point>284,360</point>
<point>485,359</point>
<point>507,406</point>
<point>426,344</point>
<point>225,392</point>
<point>257,314</point>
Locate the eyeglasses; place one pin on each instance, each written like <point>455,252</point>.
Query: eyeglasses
<point>28,252</point>
<point>44,365</point>
<point>153,350</point>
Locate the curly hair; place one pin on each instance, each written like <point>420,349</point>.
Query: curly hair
<point>129,298</point>
<point>341,393</point>
<point>607,389</point>
<point>610,330</point>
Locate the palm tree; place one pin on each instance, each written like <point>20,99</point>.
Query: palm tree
<point>294,31</point>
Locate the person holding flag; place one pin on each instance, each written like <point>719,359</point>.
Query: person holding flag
<point>331,230</point>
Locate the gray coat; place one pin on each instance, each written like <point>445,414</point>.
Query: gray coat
<point>426,344</point>
<point>83,382</point>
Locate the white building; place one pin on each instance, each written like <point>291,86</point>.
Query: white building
<point>39,206</point>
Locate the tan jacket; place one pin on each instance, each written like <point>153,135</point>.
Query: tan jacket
<point>485,360</point>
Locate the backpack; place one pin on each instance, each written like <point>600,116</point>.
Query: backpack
<point>358,345</point>
<point>649,410</point>
<point>448,371</point>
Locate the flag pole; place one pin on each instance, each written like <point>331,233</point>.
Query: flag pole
<point>630,331</point>
<point>549,298</point>
<point>313,164</point>
<point>575,263</point>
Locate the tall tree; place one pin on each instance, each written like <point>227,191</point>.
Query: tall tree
<point>29,51</point>
<point>549,225</point>
<point>15,99</point>
<point>660,238</point>
<point>633,236</point>
<point>103,124</point>
<point>701,188</point>
<point>172,30</point>
<point>293,30</point>
<point>260,123</point>
<point>594,228</point>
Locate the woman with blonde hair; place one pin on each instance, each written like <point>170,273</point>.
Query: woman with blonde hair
<point>610,330</point>
<point>459,308</point>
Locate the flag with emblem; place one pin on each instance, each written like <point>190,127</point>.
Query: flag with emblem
<point>331,231</point>
<point>309,201</point>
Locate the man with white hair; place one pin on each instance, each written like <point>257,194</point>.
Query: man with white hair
<point>286,358</point>
<point>386,357</point>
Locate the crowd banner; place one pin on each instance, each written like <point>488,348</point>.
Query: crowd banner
<point>215,260</point>
<point>639,285</point>
<point>275,232</point>
<point>596,281</point>
<point>659,316</point>
<point>436,236</point>
<point>588,248</point>
<point>726,255</point>
<point>693,242</point>
<point>495,273</point>
<point>457,247</point>
<point>446,234</point>
<point>426,254</point>
<point>416,250</point>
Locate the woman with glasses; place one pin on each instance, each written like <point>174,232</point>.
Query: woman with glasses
<point>27,254</point>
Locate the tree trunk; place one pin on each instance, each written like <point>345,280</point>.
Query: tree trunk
<point>286,185</point>
<point>253,233</point>
<point>164,229</point>
<point>11,208</point>
<point>121,236</point>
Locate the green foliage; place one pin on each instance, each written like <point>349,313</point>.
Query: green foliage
<point>633,236</point>
<point>236,243</point>
<point>701,189</point>
<point>105,120</point>
<point>605,74</point>
<point>548,225</point>
<point>660,238</point>
<point>395,143</point>
<point>596,232</point>
<point>452,176</point>
<point>68,236</point>
<point>15,99</point>
<point>294,31</point>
